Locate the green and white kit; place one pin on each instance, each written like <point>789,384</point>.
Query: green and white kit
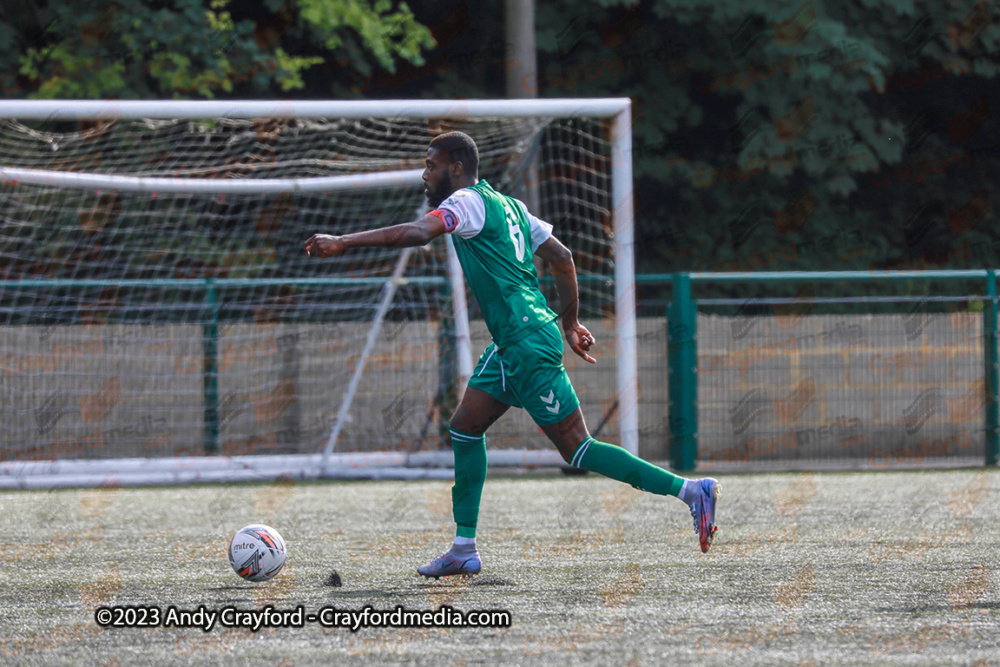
<point>495,239</point>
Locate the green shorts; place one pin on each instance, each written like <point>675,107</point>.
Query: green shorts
<point>530,375</point>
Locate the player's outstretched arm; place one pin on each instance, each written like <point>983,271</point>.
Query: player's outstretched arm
<point>407,235</point>
<point>563,272</point>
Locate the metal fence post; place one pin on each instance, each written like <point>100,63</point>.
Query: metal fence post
<point>682,358</point>
<point>210,329</point>
<point>992,371</point>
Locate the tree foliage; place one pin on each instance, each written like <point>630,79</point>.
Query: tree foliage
<point>797,135</point>
<point>788,134</point>
<point>189,48</point>
<point>775,135</point>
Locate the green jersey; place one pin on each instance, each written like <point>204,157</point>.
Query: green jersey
<point>495,239</point>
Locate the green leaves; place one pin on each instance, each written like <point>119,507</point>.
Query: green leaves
<point>64,74</point>
<point>744,111</point>
<point>180,48</point>
<point>386,33</point>
<point>290,68</point>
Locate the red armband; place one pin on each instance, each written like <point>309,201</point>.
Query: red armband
<point>447,217</point>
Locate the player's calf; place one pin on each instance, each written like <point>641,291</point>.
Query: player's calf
<point>614,462</point>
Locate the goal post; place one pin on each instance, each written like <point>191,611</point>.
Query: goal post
<point>625,330</point>
<point>130,228</point>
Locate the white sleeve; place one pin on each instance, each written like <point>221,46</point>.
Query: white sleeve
<point>540,230</point>
<point>468,210</point>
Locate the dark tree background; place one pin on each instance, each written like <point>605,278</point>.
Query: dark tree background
<point>771,135</point>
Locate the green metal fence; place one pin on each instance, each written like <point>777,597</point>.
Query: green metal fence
<point>683,343</point>
<point>209,312</point>
<point>711,416</point>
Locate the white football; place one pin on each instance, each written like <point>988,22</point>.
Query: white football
<point>257,552</point>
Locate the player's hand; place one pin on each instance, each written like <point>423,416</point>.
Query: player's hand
<point>580,341</point>
<point>324,245</point>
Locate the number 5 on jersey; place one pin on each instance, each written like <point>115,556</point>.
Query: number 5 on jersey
<point>516,236</point>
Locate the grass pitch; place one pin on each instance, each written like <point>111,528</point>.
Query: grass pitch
<point>858,568</point>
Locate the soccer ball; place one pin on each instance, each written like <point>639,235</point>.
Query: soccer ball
<point>257,552</point>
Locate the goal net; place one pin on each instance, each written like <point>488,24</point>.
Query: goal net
<point>161,321</point>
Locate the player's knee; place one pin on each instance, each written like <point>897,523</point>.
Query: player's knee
<point>457,420</point>
<point>469,426</point>
<point>567,454</point>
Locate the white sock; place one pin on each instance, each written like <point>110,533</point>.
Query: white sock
<point>464,547</point>
<point>690,491</point>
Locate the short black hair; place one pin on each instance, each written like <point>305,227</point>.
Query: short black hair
<point>458,147</point>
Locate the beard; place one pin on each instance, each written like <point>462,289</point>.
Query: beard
<point>444,189</point>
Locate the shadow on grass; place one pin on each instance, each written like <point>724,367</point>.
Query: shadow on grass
<point>940,608</point>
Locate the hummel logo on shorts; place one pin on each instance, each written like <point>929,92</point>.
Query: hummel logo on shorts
<point>548,402</point>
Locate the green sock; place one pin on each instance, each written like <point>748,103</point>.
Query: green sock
<point>470,475</point>
<point>614,462</point>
